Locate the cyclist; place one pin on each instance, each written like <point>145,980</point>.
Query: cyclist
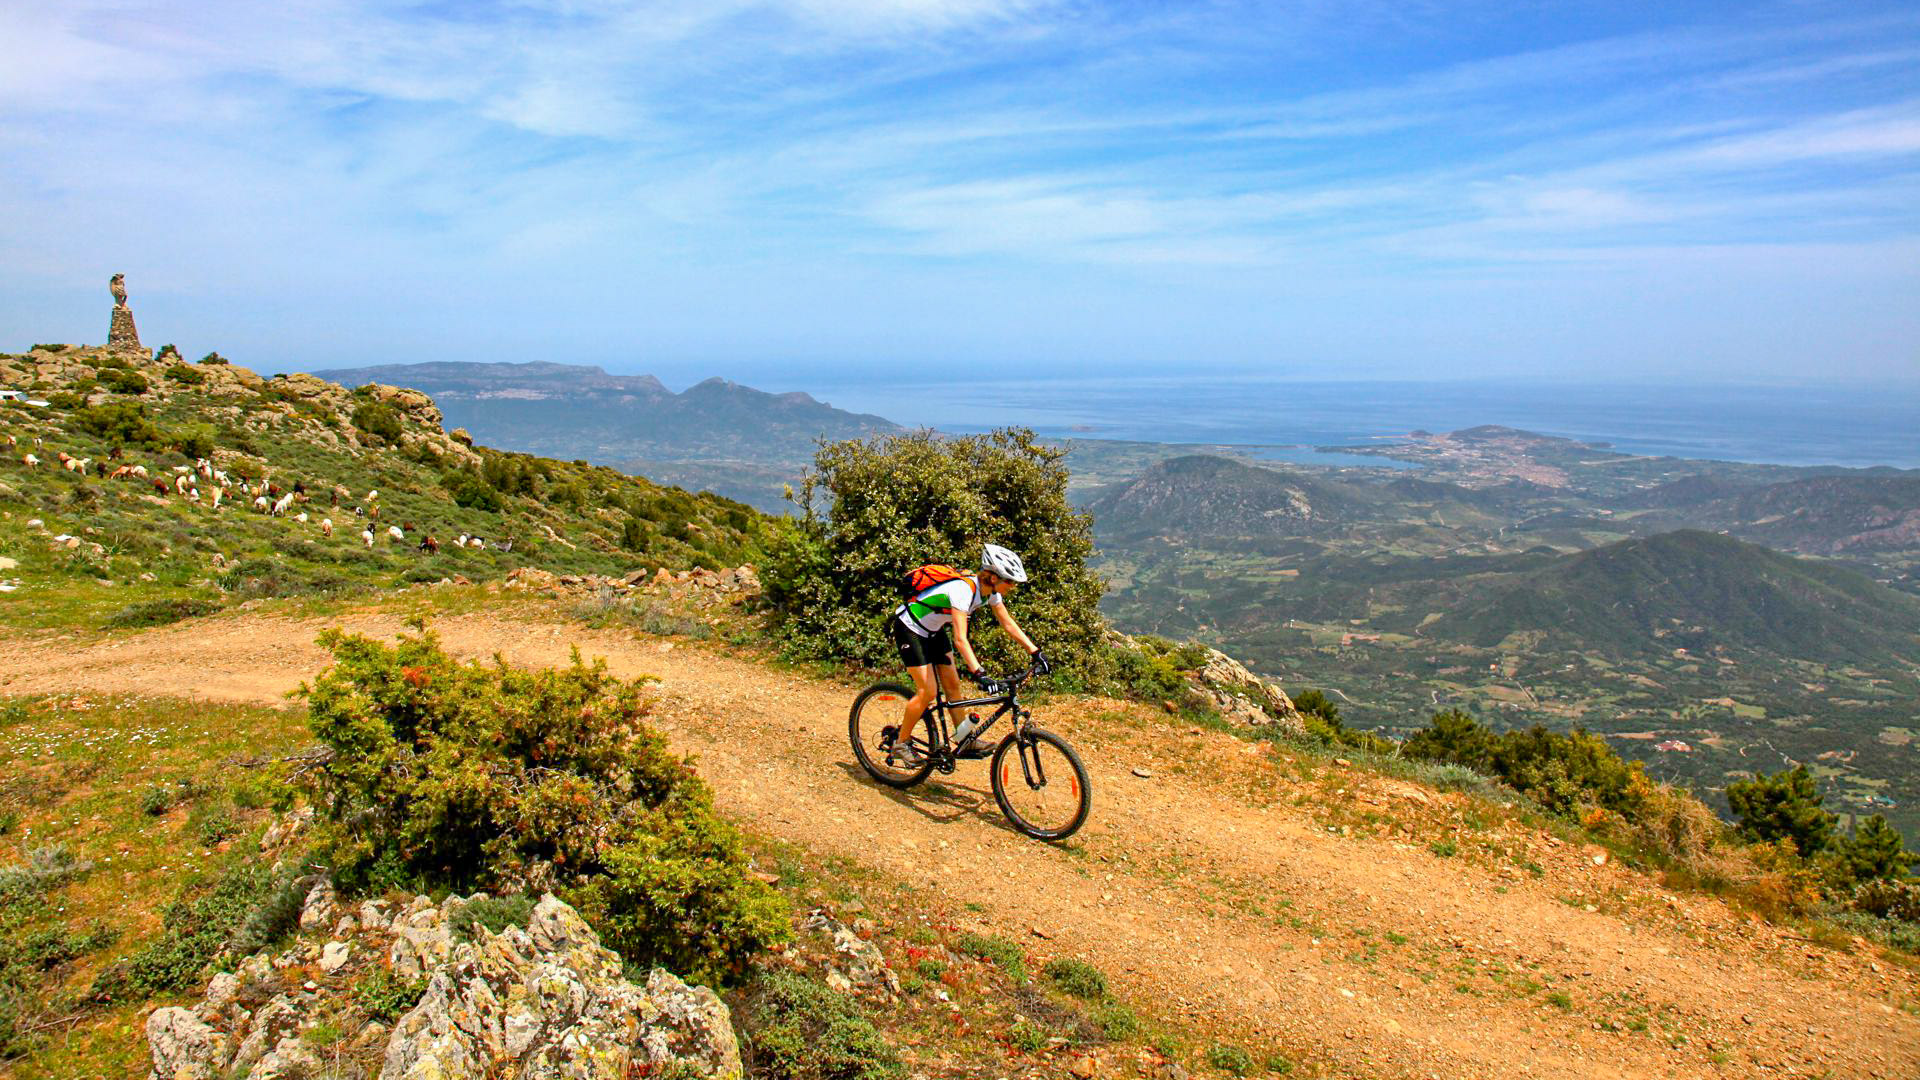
<point>920,626</point>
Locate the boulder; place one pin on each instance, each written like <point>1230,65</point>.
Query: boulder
<point>184,1047</point>
<point>413,404</point>
<point>319,911</point>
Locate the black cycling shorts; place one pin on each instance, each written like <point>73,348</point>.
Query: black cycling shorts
<point>917,651</point>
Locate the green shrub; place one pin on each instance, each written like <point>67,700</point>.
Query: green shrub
<point>213,358</point>
<point>1231,1060</point>
<point>469,491</point>
<point>378,419</point>
<point>384,996</point>
<point>1077,977</point>
<point>196,930</point>
<point>873,510</point>
<point>186,373</point>
<point>496,913</point>
<point>1322,720</point>
<point>123,382</point>
<point>1116,1021</point>
<point>195,442</point>
<point>1562,772</point>
<point>481,776</point>
<point>802,1030</point>
<point>48,348</point>
<point>1889,900</point>
<point>1007,955</point>
<point>1027,1036</point>
<point>160,612</point>
<point>122,423</point>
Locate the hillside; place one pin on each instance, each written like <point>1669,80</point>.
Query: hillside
<point>1692,590</point>
<point>1859,514</point>
<point>720,435</point>
<point>194,486</point>
<point>1246,902</point>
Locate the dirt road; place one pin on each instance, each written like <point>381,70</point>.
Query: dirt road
<point>1216,886</point>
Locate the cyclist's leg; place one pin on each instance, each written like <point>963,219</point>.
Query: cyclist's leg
<point>914,657</point>
<point>922,700</point>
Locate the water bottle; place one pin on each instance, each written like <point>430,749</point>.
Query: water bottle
<point>965,729</point>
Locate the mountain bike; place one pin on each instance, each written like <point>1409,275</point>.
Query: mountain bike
<point>1038,780</point>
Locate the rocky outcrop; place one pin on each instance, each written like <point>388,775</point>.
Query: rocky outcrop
<point>412,404</point>
<point>543,1002</point>
<point>1246,698</point>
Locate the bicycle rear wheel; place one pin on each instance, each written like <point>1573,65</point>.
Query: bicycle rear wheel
<point>875,715</point>
<point>1040,784</point>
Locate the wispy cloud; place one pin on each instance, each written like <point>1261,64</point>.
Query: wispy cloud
<point>721,148</point>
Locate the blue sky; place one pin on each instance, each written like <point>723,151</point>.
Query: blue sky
<point>782,190</point>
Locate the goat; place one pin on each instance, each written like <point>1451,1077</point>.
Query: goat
<point>366,537</point>
<point>78,465</point>
<point>460,541</point>
<point>301,517</point>
<point>374,495</point>
<point>280,505</point>
<point>180,484</point>
<point>64,457</point>
<point>12,441</point>
<point>476,543</point>
<point>218,494</point>
<point>326,526</point>
<point>30,461</point>
<point>161,487</point>
<point>261,504</point>
<point>140,471</point>
<point>394,531</point>
<point>430,546</point>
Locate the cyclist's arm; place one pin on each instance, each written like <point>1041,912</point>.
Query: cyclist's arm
<point>1005,619</point>
<point>960,643</point>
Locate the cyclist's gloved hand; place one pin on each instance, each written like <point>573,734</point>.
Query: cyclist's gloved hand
<point>1040,662</point>
<point>979,677</point>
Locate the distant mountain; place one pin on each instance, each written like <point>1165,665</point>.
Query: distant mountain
<point>1690,589</point>
<point>1876,510</point>
<point>720,435</point>
<point>1203,495</point>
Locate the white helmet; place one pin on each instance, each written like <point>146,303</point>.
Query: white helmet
<point>1002,564</point>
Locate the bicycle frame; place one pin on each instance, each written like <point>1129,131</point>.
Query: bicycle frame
<point>1008,702</point>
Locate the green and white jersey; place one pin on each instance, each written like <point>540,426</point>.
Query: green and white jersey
<point>930,612</point>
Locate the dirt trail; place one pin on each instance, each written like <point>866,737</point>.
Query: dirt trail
<point>1172,886</point>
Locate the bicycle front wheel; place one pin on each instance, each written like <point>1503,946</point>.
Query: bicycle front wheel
<point>871,724</point>
<point>1040,784</point>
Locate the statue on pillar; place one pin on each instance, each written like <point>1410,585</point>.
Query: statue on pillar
<point>122,337</point>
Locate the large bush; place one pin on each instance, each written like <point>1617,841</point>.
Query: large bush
<point>469,776</point>
<point>873,509</point>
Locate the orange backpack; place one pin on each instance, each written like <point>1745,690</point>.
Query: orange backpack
<point>921,578</point>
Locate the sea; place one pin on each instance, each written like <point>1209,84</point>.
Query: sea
<point>1293,419</point>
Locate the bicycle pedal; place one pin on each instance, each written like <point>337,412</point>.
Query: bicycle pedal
<point>946,766</point>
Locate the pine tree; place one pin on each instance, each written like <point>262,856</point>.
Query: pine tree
<point>1787,805</point>
<point>1876,852</point>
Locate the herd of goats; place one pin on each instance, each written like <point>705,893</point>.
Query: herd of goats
<point>183,481</point>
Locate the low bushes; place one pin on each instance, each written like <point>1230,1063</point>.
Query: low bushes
<point>468,776</point>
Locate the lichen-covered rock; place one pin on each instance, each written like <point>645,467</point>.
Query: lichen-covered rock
<point>320,908</point>
<point>413,404</point>
<point>183,1046</point>
<point>1245,698</point>
<point>547,1002</point>
<point>551,1002</point>
<point>857,960</point>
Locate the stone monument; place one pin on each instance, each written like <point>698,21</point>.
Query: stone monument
<point>122,337</point>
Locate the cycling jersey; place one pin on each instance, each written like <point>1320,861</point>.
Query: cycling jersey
<point>931,611</point>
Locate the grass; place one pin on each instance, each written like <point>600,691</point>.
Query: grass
<point>1004,954</point>
<point>74,759</point>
